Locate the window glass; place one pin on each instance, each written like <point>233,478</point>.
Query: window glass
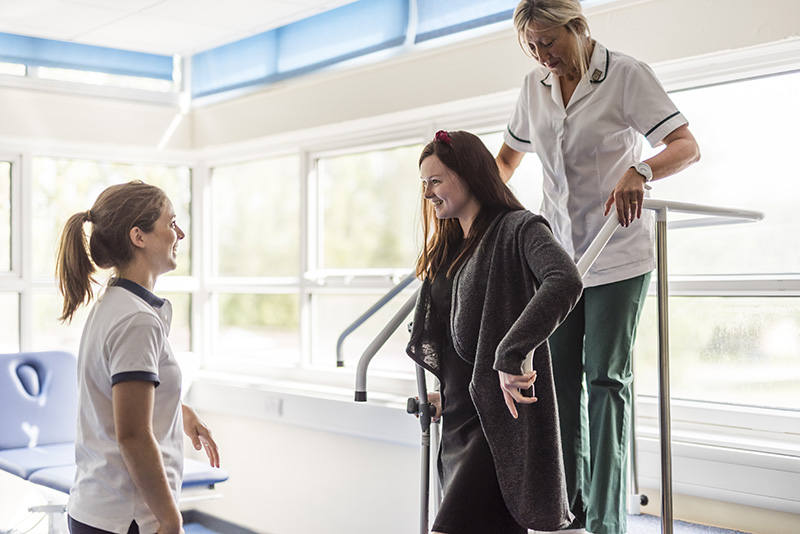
<point>256,218</point>
<point>63,187</point>
<point>526,182</point>
<point>180,333</point>
<point>335,312</point>
<point>14,69</point>
<point>443,17</point>
<point>369,205</point>
<point>765,108</point>
<point>261,328</point>
<point>105,79</point>
<point>50,333</point>
<point>725,349</point>
<point>5,216</point>
<point>9,326</point>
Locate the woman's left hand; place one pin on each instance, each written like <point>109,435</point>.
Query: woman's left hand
<point>511,386</point>
<point>200,434</point>
<point>628,196</point>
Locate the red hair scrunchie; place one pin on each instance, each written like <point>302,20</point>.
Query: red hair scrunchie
<point>442,136</point>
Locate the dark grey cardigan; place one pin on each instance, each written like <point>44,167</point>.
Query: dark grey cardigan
<point>508,298</point>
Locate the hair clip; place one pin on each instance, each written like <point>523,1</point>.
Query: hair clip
<point>442,136</point>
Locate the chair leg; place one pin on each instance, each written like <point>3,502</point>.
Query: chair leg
<point>56,517</point>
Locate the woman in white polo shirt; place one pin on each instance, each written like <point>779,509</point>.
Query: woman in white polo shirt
<point>129,446</point>
<point>584,111</point>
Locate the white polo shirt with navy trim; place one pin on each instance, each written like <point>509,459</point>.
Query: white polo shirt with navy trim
<point>125,338</point>
<point>585,149</point>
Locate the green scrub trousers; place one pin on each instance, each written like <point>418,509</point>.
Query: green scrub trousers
<point>596,342</point>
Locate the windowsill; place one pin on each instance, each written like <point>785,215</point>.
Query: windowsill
<point>325,408</point>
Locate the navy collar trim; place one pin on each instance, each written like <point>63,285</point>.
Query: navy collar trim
<point>137,290</point>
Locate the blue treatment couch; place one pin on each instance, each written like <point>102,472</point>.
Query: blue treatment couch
<point>38,407</point>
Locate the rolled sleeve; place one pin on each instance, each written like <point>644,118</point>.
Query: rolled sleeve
<point>648,107</point>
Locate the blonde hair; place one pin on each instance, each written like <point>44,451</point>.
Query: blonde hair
<point>552,13</point>
<point>116,211</point>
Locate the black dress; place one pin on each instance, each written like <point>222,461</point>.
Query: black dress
<point>472,502</point>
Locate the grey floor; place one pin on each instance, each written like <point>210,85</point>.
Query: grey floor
<point>637,524</point>
<point>649,524</point>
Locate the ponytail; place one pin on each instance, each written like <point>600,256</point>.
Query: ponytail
<point>74,267</point>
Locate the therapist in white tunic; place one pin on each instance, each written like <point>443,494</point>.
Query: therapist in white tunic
<point>129,442</point>
<point>585,111</point>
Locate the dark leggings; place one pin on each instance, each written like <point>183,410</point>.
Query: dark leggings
<point>76,527</point>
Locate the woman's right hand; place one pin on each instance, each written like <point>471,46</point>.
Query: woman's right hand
<point>511,385</point>
<point>436,399</point>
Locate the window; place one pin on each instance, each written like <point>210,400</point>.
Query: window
<point>767,109</point>
<point>5,216</point>
<point>256,254</point>
<point>526,183</point>
<point>739,343</point>
<point>62,187</point>
<point>9,326</point>
<point>367,220</point>
<point>725,349</point>
<point>12,69</point>
<point>368,205</point>
<point>78,63</point>
<point>105,79</point>
<point>352,30</point>
<point>444,17</point>
<point>256,213</point>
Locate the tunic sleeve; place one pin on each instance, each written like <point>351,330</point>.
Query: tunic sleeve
<point>133,348</point>
<point>558,288</point>
<point>647,106</point>
<point>518,134</point>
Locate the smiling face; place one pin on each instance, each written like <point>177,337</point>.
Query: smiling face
<point>447,193</point>
<point>162,241</point>
<point>555,48</point>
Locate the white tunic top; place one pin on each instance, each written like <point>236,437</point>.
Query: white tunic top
<point>125,338</point>
<point>585,149</point>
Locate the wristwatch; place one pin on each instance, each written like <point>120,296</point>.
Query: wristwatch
<point>643,169</point>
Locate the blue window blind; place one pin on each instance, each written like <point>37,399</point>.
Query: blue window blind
<point>235,65</point>
<point>343,33</point>
<point>437,18</point>
<point>36,52</point>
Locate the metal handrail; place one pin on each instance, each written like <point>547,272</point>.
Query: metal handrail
<point>401,285</point>
<point>722,216</point>
<point>377,343</point>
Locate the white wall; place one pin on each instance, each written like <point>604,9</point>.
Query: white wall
<point>37,117</point>
<point>292,480</point>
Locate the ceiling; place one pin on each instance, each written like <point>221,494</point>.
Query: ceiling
<point>165,27</point>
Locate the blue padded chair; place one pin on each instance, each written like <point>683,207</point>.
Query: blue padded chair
<point>38,407</point>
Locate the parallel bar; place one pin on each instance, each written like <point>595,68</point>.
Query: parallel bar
<point>377,343</point>
<point>663,372</point>
<point>369,313</point>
